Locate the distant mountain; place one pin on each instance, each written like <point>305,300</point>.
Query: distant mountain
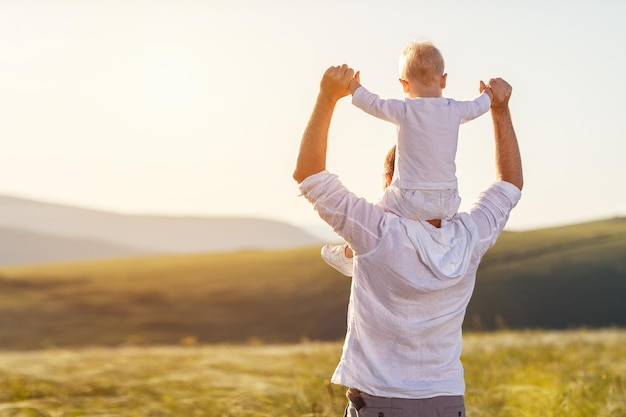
<point>555,278</point>
<point>138,233</point>
<point>23,247</point>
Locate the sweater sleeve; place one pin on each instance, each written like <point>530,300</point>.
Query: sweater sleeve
<point>390,110</point>
<point>470,110</point>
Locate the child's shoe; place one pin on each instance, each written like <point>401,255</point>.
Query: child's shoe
<point>335,256</point>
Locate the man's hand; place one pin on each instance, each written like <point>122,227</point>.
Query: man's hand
<point>501,91</point>
<point>314,143</point>
<point>335,82</point>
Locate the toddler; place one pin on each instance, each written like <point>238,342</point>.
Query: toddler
<point>424,185</point>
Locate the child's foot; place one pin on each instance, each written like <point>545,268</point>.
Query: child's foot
<point>335,256</point>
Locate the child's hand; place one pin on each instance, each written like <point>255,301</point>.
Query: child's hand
<point>486,89</point>
<point>355,82</point>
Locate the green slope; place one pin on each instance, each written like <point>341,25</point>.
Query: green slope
<point>551,278</point>
<point>273,296</point>
<point>561,277</point>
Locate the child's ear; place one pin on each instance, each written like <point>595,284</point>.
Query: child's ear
<point>405,85</point>
<point>444,78</point>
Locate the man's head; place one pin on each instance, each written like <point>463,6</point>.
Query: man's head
<point>421,62</point>
<point>389,167</point>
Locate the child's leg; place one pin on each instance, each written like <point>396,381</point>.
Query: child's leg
<point>410,204</point>
<point>451,201</point>
<point>421,204</point>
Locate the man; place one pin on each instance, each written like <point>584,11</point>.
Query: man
<point>412,280</point>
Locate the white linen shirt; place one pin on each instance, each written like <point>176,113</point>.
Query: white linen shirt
<point>411,286</point>
<point>428,129</point>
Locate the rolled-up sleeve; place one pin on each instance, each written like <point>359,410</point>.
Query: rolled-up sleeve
<point>353,218</point>
<point>492,210</point>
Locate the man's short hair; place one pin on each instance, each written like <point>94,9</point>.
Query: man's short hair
<point>390,161</point>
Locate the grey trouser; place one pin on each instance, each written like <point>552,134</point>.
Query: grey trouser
<point>365,405</point>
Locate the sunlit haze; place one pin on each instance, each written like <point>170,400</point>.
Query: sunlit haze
<point>197,107</point>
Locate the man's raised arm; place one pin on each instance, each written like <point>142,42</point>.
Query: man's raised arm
<point>312,154</point>
<point>508,158</point>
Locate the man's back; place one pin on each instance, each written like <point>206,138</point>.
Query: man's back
<point>411,286</point>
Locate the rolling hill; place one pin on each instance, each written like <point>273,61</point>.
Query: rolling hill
<point>24,247</point>
<point>129,234</point>
<point>552,278</point>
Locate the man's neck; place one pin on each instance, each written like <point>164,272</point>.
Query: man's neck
<point>436,223</point>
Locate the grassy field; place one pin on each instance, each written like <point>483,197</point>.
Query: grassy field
<point>147,336</point>
<point>279,296</point>
<point>509,374</point>
<point>559,278</point>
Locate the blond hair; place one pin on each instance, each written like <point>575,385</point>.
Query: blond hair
<point>422,62</point>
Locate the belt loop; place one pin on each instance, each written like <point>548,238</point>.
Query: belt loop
<point>354,395</point>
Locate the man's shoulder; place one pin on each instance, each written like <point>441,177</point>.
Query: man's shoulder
<point>491,211</point>
<point>501,195</point>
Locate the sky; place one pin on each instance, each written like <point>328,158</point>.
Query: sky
<point>189,107</point>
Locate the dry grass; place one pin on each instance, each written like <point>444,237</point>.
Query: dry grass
<point>574,373</point>
<point>533,373</point>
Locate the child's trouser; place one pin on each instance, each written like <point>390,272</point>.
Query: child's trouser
<point>421,204</point>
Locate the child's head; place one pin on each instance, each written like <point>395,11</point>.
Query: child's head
<point>421,62</point>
